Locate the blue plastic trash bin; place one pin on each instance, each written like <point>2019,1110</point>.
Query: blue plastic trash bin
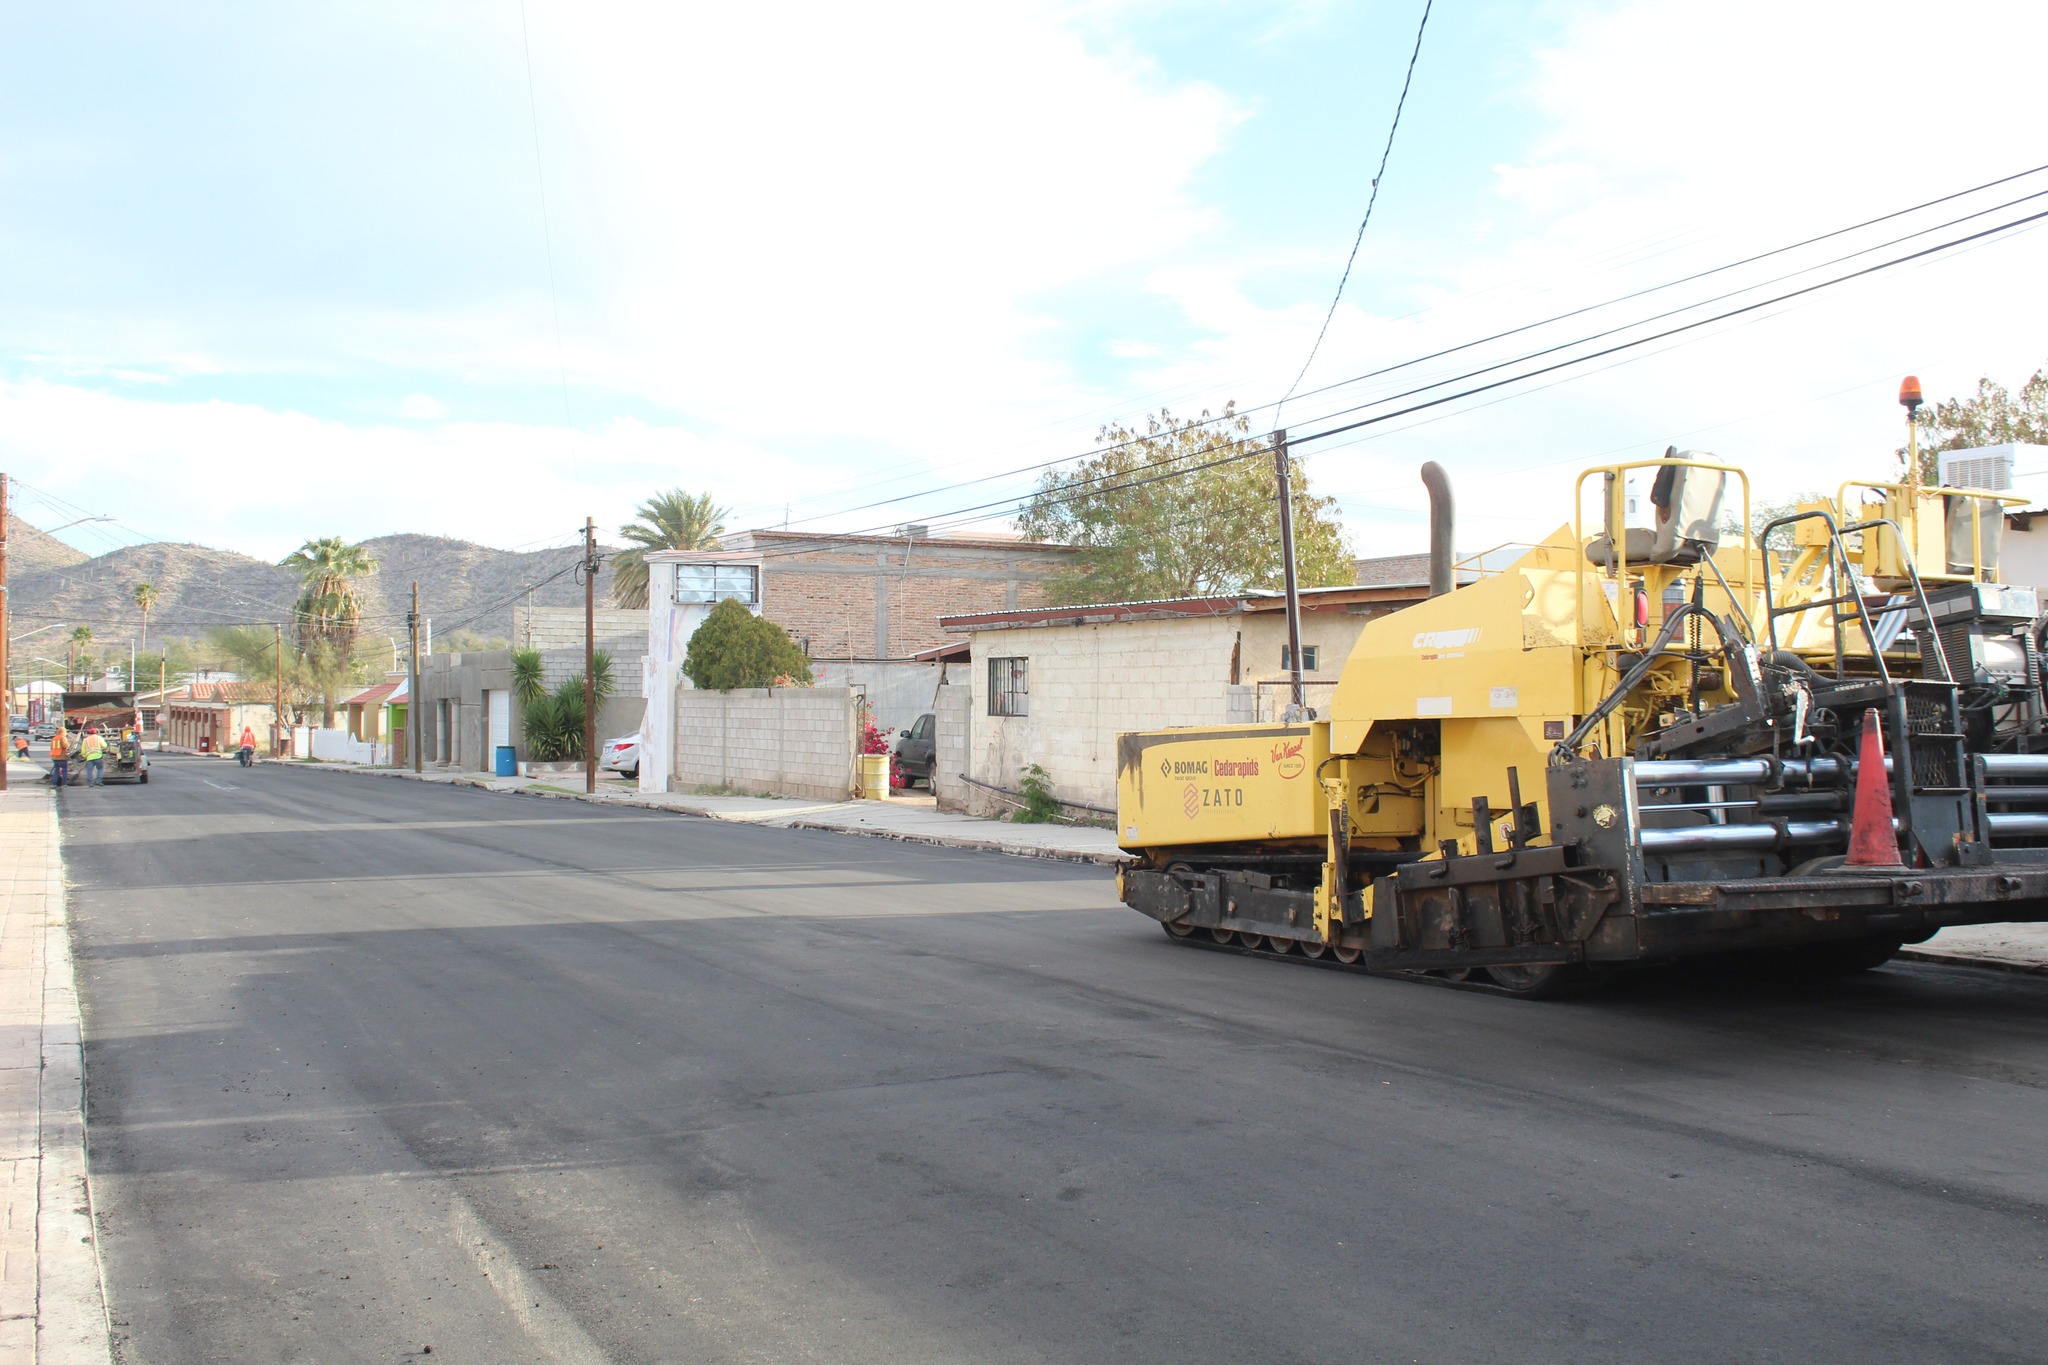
<point>508,766</point>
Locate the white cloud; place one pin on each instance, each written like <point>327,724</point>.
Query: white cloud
<point>251,479</point>
<point>422,407</point>
<point>1669,138</point>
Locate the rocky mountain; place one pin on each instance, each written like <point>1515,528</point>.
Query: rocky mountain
<point>29,549</point>
<point>462,586</point>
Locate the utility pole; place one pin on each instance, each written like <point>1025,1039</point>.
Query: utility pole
<point>163,701</point>
<point>412,685</point>
<point>277,701</point>
<point>1280,473</point>
<point>6,664</point>
<point>589,656</point>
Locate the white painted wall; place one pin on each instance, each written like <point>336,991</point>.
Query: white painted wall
<point>670,625</point>
<point>1090,683</point>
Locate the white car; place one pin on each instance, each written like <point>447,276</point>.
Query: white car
<point>621,756</point>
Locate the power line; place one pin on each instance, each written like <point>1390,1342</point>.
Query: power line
<point>1372,199</point>
<point>1672,331</point>
<point>1672,312</point>
<point>1235,412</point>
<point>1568,363</point>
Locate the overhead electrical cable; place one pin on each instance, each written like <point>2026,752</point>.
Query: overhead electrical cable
<point>1672,312</point>
<point>1672,331</point>
<point>1509,332</point>
<point>1016,503</point>
<point>1371,200</point>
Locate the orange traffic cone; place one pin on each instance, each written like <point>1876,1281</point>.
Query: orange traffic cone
<point>1872,841</point>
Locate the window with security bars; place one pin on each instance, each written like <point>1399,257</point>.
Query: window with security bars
<point>1009,687</point>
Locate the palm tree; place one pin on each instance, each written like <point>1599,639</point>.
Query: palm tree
<point>81,648</point>
<point>145,598</point>
<point>667,521</point>
<point>329,612</point>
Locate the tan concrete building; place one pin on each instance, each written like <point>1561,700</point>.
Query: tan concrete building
<point>1054,686</point>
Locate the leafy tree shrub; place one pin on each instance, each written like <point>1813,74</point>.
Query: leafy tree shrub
<point>1041,807</point>
<point>735,648</point>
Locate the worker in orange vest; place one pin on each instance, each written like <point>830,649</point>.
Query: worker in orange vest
<point>60,756</point>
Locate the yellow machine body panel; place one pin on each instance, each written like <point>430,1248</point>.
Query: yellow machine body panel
<point>1220,784</point>
<point>1503,648</point>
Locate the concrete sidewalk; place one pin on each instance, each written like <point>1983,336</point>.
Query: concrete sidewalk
<point>52,1304</point>
<point>913,819</point>
<point>2010,947</point>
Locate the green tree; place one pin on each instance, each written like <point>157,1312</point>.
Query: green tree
<point>735,648</point>
<point>1993,416</point>
<point>310,678</point>
<point>328,611</point>
<point>145,598</point>
<point>1190,508</point>
<point>668,521</point>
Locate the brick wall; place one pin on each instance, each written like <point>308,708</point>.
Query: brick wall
<point>790,741</point>
<point>876,597</point>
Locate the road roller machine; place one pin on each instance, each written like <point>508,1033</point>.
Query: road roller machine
<point>1662,732</point>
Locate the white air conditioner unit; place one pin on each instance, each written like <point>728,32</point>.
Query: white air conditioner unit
<point>1987,467</point>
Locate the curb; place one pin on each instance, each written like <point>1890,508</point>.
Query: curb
<point>72,1321</point>
<point>1962,960</point>
<point>969,843</point>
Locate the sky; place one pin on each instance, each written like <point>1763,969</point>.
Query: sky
<point>477,270</point>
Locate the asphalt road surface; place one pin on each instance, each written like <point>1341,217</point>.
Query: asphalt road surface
<point>376,1066</point>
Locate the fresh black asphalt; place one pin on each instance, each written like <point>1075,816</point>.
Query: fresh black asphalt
<point>376,1066</point>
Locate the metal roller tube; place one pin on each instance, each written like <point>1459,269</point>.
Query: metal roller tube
<point>1696,772</point>
<point>2018,824</point>
<point>1731,838</point>
<point>2015,765</point>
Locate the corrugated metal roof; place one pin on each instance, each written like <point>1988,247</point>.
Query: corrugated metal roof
<point>1102,613</point>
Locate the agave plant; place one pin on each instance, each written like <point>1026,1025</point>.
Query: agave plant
<point>526,676</point>
<point>553,721</point>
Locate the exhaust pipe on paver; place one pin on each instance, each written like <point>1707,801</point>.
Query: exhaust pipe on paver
<point>1441,516</point>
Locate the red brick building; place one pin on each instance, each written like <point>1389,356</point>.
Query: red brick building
<point>881,597</point>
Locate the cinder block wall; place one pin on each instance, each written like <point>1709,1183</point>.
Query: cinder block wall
<point>557,666</point>
<point>791,741</point>
<point>546,628</point>
<point>955,719</point>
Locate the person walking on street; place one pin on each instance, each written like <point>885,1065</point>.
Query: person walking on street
<point>21,747</point>
<point>93,749</point>
<point>60,756</point>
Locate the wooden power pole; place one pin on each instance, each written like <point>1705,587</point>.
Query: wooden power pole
<point>6,663</point>
<point>589,656</point>
<point>412,684</point>
<point>277,698</point>
<point>1282,476</point>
